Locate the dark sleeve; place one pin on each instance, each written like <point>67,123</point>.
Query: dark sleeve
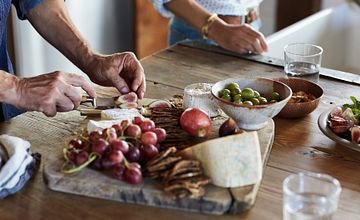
<point>24,6</point>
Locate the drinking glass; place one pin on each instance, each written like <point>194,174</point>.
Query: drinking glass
<point>302,60</point>
<point>310,196</point>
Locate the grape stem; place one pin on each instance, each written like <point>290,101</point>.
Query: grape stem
<point>91,158</point>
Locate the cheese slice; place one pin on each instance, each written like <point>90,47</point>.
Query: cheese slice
<point>119,114</point>
<point>231,161</point>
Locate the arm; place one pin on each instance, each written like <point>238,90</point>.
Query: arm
<point>239,38</point>
<point>47,93</point>
<point>121,70</point>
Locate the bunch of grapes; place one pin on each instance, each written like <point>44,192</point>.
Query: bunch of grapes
<point>119,149</point>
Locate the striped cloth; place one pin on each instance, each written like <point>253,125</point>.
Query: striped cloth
<point>220,7</point>
<point>20,166</point>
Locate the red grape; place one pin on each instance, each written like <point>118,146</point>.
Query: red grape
<point>71,154</point>
<point>107,164</point>
<point>118,171</point>
<point>147,125</point>
<point>149,151</point>
<point>133,175</point>
<point>116,156</point>
<point>96,164</point>
<point>120,145</point>
<point>82,157</point>
<point>133,131</point>
<point>109,134</point>
<point>149,137</point>
<point>133,155</point>
<point>124,124</point>
<point>137,120</point>
<point>76,143</point>
<point>118,129</point>
<point>160,133</point>
<point>99,146</point>
<point>95,135</point>
<point>134,164</point>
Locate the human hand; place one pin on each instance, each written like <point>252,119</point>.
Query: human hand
<point>239,38</point>
<point>51,93</point>
<point>121,70</point>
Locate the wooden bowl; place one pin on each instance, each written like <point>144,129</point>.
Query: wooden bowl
<point>297,110</point>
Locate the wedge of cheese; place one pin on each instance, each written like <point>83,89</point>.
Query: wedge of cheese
<point>231,161</point>
<point>100,125</point>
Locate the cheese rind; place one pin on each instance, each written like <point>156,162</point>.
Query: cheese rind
<point>119,114</point>
<point>231,161</point>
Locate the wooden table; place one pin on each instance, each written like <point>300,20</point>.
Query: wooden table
<point>299,146</point>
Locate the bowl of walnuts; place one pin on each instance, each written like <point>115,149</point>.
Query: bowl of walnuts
<point>304,100</point>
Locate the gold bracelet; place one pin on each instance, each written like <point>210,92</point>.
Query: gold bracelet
<point>209,22</point>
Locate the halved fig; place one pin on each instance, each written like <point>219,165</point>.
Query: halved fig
<point>355,134</point>
<point>126,98</point>
<point>128,105</point>
<point>339,125</point>
<point>160,104</point>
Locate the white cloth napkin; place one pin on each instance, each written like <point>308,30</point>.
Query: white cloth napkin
<point>19,168</point>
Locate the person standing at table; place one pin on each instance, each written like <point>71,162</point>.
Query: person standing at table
<point>232,24</point>
<point>59,91</point>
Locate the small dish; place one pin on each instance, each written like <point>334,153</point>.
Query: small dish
<point>323,125</point>
<point>301,109</point>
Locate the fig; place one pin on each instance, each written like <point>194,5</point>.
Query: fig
<point>127,98</point>
<point>128,105</point>
<point>160,104</point>
<point>195,122</point>
<point>355,134</point>
<point>229,127</point>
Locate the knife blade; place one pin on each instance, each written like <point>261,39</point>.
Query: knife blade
<point>335,74</point>
<point>99,102</point>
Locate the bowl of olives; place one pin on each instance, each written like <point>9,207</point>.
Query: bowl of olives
<point>251,102</point>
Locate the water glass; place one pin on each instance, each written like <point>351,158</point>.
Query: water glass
<point>310,196</point>
<point>302,60</point>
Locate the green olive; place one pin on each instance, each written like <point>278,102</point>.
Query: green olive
<point>256,94</point>
<point>255,101</point>
<point>273,101</point>
<point>232,86</point>
<point>235,91</point>
<point>237,97</point>
<point>262,100</point>
<point>226,97</point>
<point>275,96</point>
<point>238,101</point>
<point>224,92</point>
<point>248,103</point>
<point>247,93</point>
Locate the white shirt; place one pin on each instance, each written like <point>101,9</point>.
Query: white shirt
<point>220,7</point>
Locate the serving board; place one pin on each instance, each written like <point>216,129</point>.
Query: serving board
<point>217,200</point>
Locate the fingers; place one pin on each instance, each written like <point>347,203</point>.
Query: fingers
<point>80,81</point>
<point>74,95</point>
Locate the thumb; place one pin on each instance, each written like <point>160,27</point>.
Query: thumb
<point>121,85</point>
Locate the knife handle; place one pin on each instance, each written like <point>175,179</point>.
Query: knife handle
<point>87,99</point>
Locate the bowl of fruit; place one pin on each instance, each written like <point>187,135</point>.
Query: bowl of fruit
<point>251,102</point>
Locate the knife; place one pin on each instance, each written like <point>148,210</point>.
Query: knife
<point>99,102</point>
<point>335,74</point>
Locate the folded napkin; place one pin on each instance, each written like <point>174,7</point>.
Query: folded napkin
<point>20,166</point>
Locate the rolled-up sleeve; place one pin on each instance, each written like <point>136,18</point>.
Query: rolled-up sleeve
<point>24,6</point>
<point>159,6</point>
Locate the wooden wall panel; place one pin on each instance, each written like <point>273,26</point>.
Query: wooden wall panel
<point>151,29</point>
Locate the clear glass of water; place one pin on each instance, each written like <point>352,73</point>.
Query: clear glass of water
<point>302,60</point>
<point>310,196</point>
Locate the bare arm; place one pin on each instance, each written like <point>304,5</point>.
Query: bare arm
<point>121,70</point>
<point>240,38</point>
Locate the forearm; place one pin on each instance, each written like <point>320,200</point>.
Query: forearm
<point>8,91</point>
<point>52,21</point>
<point>194,14</point>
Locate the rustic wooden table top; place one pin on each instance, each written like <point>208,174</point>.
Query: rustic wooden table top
<point>299,146</point>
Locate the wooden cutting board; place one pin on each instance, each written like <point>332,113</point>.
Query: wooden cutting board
<point>217,200</point>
